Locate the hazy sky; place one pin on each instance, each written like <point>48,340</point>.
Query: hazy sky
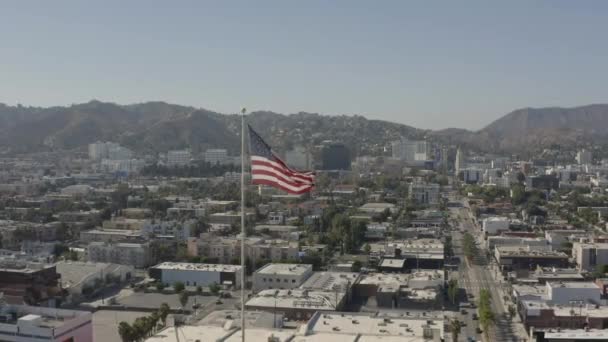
<point>430,64</point>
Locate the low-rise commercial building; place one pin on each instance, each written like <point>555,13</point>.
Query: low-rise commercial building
<point>588,255</point>
<point>494,225</point>
<point>28,323</point>
<point>197,274</point>
<point>518,258</point>
<point>281,276</point>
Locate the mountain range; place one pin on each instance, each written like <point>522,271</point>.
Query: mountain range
<point>157,126</point>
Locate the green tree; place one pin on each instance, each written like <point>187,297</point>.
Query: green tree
<point>164,312</point>
<point>126,332</point>
<point>178,286</point>
<point>453,290</point>
<point>455,327</point>
<point>183,299</point>
<point>367,248</point>
<point>469,246</point>
<point>214,288</point>
<point>486,316</point>
<point>357,266</point>
<point>160,286</point>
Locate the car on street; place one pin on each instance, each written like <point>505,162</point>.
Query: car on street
<point>463,311</point>
<point>475,317</point>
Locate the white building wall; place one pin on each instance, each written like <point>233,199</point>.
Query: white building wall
<point>567,295</point>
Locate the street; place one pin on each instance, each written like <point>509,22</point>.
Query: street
<point>474,276</point>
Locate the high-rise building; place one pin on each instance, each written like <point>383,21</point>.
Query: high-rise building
<point>584,157</point>
<point>459,164</point>
<point>335,156</point>
<point>410,150</point>
<point>298,158</point>
<point>178,157</point>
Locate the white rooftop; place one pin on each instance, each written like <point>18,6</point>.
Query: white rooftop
<point>285,269</point>
<point>185,266</point>
<point>367,325</point>
<point>193,333</point>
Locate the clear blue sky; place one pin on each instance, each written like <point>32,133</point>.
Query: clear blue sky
<point>431,64</point>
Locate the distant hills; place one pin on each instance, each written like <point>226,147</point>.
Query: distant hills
<point>158,126</point>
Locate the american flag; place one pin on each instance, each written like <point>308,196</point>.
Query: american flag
<point>268,169</point>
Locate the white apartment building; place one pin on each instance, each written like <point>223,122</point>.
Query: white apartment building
<point>178,157</point>
<point>191,274</point>
<point>588,255</point>
<point>33,323</point>
<point>492,225</point>
<point>281,276</point>
<point>227,249</point>
<point>138,255</point>
<point>176,229</point>
<point>216,156</point>
<point>570,293</point>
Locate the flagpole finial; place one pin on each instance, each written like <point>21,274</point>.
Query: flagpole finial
<point>243,110</point>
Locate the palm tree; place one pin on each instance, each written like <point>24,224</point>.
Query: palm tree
<point>183,299</point>
<point>126,332</point>
<point>164,312</point>
<point>455,329</point>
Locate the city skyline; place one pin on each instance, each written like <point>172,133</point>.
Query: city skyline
<point>434,66</point>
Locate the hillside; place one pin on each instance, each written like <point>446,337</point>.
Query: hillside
<point>158,126</point>
<point>545,126</point>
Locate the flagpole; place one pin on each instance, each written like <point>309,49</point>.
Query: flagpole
<point>243,278</point>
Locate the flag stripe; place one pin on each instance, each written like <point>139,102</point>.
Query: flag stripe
<point>268,169</point>
<point>274,181</point>
<point>255,160</point>
<point>262,170</point>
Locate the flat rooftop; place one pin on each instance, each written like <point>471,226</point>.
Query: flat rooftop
<point>193,333</point>
<point>392,263</point>
<point>574,285</point>
<point>296,299</point>
<point>577,334</point>
<point>262,335</point>
<point>330,281</point>
<point>185,266</point>
<point>527,252</point>
<point>369,325</point>
<point>285,269</point>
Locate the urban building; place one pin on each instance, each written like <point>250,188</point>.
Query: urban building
<point>109,235</point>
<point>424,193</point>
<point>179,157</point>
<point>197,274</point>
<point>588,256</point>
<point>216,156</point>
<point>138,255</point>
<point>459,164</point>
<point>335,157</point>
<point>32,283</point>
<point>410,151</point>
<point>584,157</point>
<point>281,276</point>
<point>494,225</point>
<point>298,158</point>
<point>526,258</point>
<point>22,323</point>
